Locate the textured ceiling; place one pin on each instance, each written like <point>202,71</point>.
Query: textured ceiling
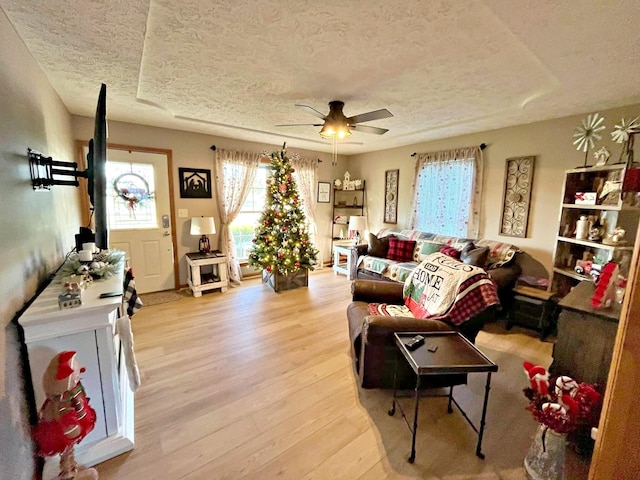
<point>235,68</point>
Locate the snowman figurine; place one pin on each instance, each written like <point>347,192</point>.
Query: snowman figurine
<point>65,417</point>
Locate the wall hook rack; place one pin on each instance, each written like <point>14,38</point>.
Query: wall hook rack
<point>45,169</point>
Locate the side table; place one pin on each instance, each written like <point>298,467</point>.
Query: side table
<point>340,264</point>
<point>442,353</point>
<point>533,308</point>
<point>199,282</point>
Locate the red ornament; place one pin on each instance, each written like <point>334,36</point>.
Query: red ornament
<point>297,264</point>
<point>268,268</point>
<point>280,255</point>
<point>283,187</point>
<point>284,229</point>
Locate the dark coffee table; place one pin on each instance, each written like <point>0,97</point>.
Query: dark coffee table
<point>442,353</point>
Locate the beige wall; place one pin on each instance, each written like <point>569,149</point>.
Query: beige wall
<point>193,150</point>
<point>551,143</point>
<point>36,228</point>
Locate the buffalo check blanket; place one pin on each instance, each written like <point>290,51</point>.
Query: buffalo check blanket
<point>446,289</point>
<point>441,285</point>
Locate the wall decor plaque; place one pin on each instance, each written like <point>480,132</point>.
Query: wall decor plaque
<point>324,192</point>
<point>391,196</point>
<point>195,183</point>
<point>518,181</point>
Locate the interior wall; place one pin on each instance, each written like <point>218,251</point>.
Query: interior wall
<point>550,141</point>
<point>36,228</point>
<point>193,150</point>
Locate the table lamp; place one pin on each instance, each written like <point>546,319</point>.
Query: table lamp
<point>203,226</point>
<point>358,224</point>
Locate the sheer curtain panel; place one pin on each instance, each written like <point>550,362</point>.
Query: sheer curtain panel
<point>305,174</point>
<point>447,192</point>
<point>235,173</point>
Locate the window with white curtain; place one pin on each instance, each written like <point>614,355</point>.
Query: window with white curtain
<point>243,226</point>
<point>447,192</point>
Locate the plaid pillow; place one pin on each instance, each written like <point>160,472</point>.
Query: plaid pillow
<point>450,251</point>
<point>401,250</point>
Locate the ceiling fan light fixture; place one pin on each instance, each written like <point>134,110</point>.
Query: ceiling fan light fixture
<point>331,130</point>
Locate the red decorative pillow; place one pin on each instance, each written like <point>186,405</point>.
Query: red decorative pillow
<point>452,252</point>
<point>401,250</point>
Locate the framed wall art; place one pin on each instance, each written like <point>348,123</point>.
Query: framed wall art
<point>324,192</point>
<point>391,196</point>
<point>195,183</point>
<point>518,181</point>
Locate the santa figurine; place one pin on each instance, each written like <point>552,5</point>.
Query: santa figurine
<point>65,417</point>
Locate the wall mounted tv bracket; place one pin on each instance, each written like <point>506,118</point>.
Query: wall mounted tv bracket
<point>44,171</point>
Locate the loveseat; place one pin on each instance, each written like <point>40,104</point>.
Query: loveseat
<point>373,349</point>
<point>374,261</point>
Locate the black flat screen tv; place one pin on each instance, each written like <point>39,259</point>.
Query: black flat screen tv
<point>96,172</point>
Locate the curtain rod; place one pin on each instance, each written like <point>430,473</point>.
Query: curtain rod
<point>213,147</point>
<point>482,147</point>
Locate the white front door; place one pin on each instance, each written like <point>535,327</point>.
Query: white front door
<point>139,216</point>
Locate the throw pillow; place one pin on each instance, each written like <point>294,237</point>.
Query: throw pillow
<point>430,247</point>
<point>401,250</point>
<point>378,247</point>
<point>476,256</point>
<point>450,251</point>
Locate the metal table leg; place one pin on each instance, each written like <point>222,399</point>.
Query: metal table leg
<point>415,422</point>
<point>487,387</point>
<point>395,374</point>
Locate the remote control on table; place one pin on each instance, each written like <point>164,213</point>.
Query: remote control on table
<point>415,342</point>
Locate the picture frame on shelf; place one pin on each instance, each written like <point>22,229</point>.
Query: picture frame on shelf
<point>391,196</point>
<point>195,182</point>
<point>324,192</point>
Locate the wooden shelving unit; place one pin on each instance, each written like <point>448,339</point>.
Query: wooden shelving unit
<point>345,204</point>
<point>615,209</point>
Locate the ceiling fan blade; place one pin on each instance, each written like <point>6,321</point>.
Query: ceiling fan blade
<point>367,117</point>
<point>368,129</point>
<point>300,125</point>
<point>312,111</point>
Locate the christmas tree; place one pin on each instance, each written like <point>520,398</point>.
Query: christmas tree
<point>281,244</point>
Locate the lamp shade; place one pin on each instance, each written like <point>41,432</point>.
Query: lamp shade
<point>202,226</point>
<point>358,223</point>
<point>335,130</point>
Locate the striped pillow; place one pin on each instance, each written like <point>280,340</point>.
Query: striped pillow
<point>401,250</point>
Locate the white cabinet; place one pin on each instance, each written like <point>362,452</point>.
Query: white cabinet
<point>90,331</point>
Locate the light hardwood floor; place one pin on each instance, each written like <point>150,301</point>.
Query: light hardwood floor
<point>258,385</point>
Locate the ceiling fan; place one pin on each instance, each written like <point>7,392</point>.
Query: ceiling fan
<point>337,125</point>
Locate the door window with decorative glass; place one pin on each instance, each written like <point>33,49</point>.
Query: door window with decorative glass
<point>130,199</point>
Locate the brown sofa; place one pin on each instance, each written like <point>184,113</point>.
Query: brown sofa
<point>372,343</point>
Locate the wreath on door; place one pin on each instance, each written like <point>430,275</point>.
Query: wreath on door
<point>132,188</point>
